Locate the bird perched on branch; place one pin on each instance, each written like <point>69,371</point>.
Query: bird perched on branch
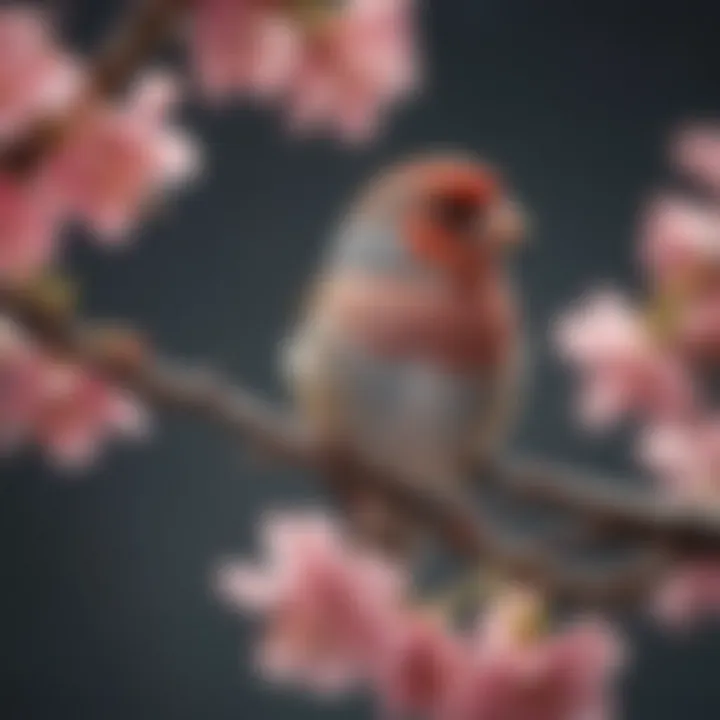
<point>409,346</point>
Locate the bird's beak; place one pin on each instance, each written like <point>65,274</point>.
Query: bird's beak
<point>506,225</point>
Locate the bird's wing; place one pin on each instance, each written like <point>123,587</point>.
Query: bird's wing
<point>498,407</point>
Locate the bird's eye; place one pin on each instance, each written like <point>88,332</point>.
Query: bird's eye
<point>455,214</point>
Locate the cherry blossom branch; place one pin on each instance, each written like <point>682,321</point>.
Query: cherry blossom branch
<point>120,357</point>
<point>617,512</point>
<point>127,51</point>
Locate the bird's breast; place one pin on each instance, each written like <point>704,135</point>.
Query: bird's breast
<point>398,319</point>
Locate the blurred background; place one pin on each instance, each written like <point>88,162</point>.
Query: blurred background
<point>105,611</point>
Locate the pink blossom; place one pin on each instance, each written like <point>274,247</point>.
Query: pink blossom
<point>421,660</point>
<point>335,67</point>
<point>566,676</point>
<point>36,77</point>
<point>70,413</point>
<point>119,158</point>
<point>681,252</point>
<point>696,151</point>
<point>622,368</point>
<point>680,241</point>
<point>21,386</point>
<point>354,67</point>
<point>328,606</point>
<point>80,413</point>
<point>243,45</point>
<point>686,457</point>
<point>690,594</point>
<point>699,325</point>
<point>29,228</point>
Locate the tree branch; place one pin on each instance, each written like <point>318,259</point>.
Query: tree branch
<point>138,37</point>
<point>450,516</point>
<point>614,508</point>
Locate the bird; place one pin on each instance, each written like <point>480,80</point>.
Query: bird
<point>408,346</point>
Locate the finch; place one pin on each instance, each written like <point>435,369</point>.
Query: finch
<point>409,346</point>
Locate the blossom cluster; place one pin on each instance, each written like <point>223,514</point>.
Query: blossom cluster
<point>651,362</point>
<point>336,66</point>
<point>338,618</point>
<point>111,159</point>
<point>331,64</point>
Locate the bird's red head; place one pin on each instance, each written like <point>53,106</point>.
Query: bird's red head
<point>454,213</point>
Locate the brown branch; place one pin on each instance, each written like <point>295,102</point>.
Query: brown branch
<point>611,505</point>
<point>448,515</point>
<point>144,30</point>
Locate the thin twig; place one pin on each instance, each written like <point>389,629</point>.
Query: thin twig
<point>137,39</point>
